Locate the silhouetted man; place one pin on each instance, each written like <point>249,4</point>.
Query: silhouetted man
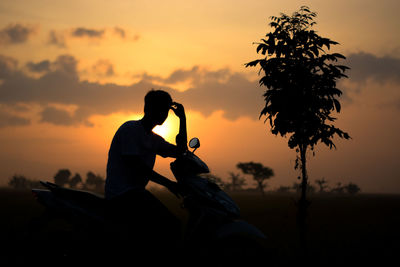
<point>130,164</point>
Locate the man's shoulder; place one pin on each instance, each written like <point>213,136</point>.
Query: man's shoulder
<point>130,125</point>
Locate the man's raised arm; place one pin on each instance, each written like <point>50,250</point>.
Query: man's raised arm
<point>181,137</point>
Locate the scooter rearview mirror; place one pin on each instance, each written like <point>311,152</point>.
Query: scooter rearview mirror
<point>194,143</point>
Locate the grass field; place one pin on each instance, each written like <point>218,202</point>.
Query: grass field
<point>343,230</point>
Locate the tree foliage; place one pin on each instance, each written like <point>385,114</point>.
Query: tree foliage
<point>236,182</point>
<point>352,188</point>
<point>75,181</point>
<point>62,177</point>
<point>300,77</point>
<point>259,172</point>
<point>94,182</point>
<point>322,183</point>
<point>21,182</point>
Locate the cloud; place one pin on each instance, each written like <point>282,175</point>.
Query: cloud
<point>103,68</point>
<point>57,38</point>
<point>206,91</point>
<point>366,66</point>
<point>16,33</point>
<point>61,38</point>
<point>42,66</point>
<point>210,91</point>
<point>182,75</point>
<point>236,95</point>
<point>8,65</point>
<point>10,119</point>
<point>124,34</point>
<point>63,64</point>
<point>66,64</point>
<point>120,32</point>
<point>58,116</point>
<point>85,32</point>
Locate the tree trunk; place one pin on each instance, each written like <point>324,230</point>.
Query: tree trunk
<point>304,181</point>
<point>260,186</point>
<point>303,203</point>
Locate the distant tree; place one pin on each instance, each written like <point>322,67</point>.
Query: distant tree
<point>75,181</point>
<point>301,93</point>
<point>236,182</point>
<point>297,187</point>
<point>352,188</point>
<point>259,172</point>
<point>62,177</point>
<point>94,182</point>
<point>19,182</point>
<point>322,183</point>
<point>338,189</point>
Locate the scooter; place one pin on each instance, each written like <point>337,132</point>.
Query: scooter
<point>214,228</point>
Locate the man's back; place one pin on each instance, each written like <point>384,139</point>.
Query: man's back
<point>131,140</point>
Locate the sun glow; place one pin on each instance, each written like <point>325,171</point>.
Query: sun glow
<point>169,129</point>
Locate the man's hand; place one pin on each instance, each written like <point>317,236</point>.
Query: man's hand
<point>181,138</point>
<point>179,110</point>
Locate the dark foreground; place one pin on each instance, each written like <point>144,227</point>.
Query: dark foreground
<point>342,230</point>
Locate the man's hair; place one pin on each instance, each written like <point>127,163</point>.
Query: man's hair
<point>156,99</point>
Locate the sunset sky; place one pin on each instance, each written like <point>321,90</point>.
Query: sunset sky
<point>71,72</point>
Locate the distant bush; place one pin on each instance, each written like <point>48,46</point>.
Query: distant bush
<point>94,182</point>
<point>235,183</point>
<point>21,182</point>
<point>352,188</point>
<point>62,177</point>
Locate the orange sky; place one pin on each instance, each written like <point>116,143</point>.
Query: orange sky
<point>72,71</point>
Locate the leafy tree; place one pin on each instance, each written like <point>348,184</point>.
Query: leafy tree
<point>94,182</point>
<point>352,188</point>
<point>74,181</point>
<point>259,172</point>
<point>322,183</point>
<point>236,182</point>
<point>301,93</point>
<point>62,177</point>
<point>339,188</point>
<point>21,182</point>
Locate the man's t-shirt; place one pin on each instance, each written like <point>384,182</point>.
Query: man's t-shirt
<point>131,139</point>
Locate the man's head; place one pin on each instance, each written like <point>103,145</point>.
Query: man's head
<point>157,104</point>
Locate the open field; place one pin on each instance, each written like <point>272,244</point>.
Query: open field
<point>344,230</point>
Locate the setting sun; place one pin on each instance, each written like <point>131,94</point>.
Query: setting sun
<point>169,129</point>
